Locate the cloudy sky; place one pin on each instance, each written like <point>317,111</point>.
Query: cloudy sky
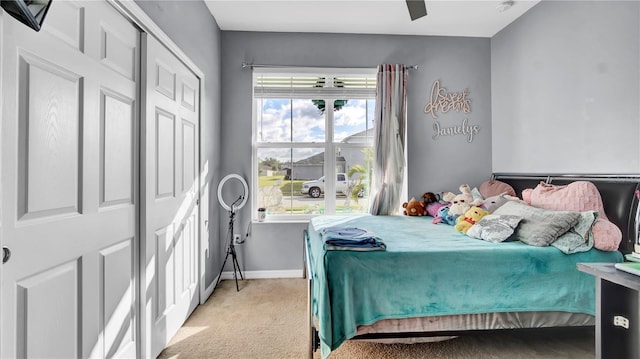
<point>274,121</point>
<point>275,124</point>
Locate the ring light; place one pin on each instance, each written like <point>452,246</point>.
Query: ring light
<point>243,196</point>
<point>237,204</point>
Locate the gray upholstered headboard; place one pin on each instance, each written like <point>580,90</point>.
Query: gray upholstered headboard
<point>619,196</point>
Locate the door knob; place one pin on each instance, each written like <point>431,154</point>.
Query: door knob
<point>6,254</point>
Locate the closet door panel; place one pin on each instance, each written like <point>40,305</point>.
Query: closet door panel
<point>70,184</point>
<point>171,199</point>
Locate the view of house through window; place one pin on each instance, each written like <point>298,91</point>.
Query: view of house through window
<point>310,158</point>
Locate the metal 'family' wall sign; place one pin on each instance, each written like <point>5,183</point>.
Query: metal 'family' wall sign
<point>441,101</point>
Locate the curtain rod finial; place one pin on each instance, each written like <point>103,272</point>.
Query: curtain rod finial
<point>245,64</point>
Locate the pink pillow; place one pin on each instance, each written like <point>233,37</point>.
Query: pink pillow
<point>526,195</point>
<point>494,187</point>
<point>578,196</point>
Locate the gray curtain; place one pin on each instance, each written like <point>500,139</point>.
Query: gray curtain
<point>390,124</point>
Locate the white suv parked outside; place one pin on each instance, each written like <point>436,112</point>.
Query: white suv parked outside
<point>315,188</point>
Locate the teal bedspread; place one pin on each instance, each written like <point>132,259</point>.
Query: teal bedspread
<point>431,269</point>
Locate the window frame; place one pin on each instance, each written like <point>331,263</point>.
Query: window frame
<point>329,146</point>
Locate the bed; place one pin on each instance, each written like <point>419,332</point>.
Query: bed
<point>433,282</point>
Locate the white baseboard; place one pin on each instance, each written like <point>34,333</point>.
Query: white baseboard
<point>268,274</point>
<point>208,291</point>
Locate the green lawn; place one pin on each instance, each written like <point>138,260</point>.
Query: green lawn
<point>288,188</point>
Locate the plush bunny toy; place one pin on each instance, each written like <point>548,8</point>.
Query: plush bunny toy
<point>459,204</point>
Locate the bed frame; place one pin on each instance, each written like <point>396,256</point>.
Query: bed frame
<point>620,195</point>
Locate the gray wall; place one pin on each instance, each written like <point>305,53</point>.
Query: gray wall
<point>434,165</point>
<point>565,89</point>
<point>192,27</point>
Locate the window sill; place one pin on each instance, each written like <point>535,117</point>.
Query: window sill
<point>280,221</point>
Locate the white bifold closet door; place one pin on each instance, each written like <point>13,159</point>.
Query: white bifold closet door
<point>170,187</point>
<point>70,184</point>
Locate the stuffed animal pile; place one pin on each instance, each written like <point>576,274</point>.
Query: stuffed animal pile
<point>447,206</point>
<point>471,210</point>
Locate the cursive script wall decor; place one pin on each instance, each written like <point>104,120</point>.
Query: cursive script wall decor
<point>441,101</point>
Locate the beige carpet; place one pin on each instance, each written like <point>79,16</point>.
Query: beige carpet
<point>268,319</point>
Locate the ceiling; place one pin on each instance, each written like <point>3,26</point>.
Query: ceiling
<point>475,18</point>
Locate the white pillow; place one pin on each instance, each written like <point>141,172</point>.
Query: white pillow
<point>494,228</point>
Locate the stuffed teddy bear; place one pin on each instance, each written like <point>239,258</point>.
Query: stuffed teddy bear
<point>414,208</point>
<point>445,217</point>
<point>473,215</point>
<point>460,203</point>
<point>432,203</point>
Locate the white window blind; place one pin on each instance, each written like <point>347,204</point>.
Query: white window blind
<point>306,86</point>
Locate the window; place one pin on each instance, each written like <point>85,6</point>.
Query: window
<point>310,157</point>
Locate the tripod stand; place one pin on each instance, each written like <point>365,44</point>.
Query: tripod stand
<point>231,248</point>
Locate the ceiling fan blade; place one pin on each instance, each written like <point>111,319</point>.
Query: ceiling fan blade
<point>417,9</point>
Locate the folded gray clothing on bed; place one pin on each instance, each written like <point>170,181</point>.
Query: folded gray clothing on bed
<point>351,238</point>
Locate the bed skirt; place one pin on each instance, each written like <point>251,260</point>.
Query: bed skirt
<point>483,321</point>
